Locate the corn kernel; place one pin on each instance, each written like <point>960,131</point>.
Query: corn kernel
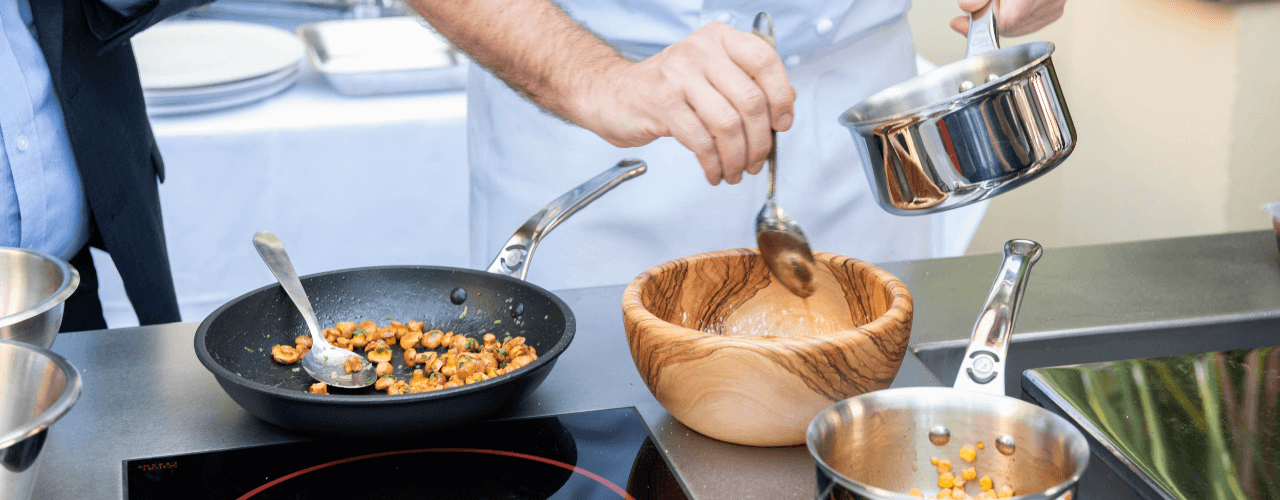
<point>915,492</point>
<point>944,465</point>
<point>969,474</point>
<point>1005,492</point>
<point>981,446</point>
<point>985,483</point>
<point>946,480</point>
<point>967,453</point>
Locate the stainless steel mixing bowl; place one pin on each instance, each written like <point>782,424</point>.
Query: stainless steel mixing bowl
<point>37,387</point>
<point>33,288</point>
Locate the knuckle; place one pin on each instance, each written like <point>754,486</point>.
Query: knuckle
<point>722,126</point>
<point>755,104</point>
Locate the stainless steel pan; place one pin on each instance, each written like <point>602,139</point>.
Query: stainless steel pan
<point>878,445</point>
<point>966,131</point>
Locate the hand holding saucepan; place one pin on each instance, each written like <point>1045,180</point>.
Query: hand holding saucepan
<point>1015,17</point>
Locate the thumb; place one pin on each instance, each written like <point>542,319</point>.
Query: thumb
<point>972,6</point>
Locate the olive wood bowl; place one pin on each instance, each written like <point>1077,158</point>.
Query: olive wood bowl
<point>729,352</point>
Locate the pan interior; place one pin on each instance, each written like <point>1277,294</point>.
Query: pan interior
<point>881,440</point>
<point>943,85</point>
<point>240,335</point>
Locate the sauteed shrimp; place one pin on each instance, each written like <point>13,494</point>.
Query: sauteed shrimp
<point>466,360</point>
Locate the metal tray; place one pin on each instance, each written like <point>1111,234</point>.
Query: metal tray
<point>383,56</point>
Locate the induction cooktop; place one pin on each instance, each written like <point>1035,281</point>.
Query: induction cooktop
<point>606,454</point>
<point>1182,427</point>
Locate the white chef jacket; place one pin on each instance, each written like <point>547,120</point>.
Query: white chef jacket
<point>837,53</point>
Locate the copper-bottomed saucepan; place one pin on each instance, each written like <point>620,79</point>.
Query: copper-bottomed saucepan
<point>878,445</point>
<point>966,131</point>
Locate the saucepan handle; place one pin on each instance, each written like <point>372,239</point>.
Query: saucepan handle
<point>982,369</point>
<point>514,258</point>
<point>983,36</point>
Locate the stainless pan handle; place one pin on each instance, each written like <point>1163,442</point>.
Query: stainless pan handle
<point>982,369</point>
<point>514,258</point>
<point>983,36</point>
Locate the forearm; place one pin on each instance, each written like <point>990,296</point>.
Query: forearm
<point>531,45</point>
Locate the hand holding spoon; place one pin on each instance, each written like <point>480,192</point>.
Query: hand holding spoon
<point>782,245</point>
<point>323,362</point>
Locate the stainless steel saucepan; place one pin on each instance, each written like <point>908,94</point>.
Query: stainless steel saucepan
<point>966,131</point>
<point>878,445</point>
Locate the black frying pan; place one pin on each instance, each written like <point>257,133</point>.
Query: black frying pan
<point>235,341</point>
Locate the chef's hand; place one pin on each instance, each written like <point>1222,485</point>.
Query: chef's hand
<point>718,92</point>
<point>1014,17</point>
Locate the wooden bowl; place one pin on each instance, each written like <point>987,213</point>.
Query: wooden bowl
<point>735,356</point>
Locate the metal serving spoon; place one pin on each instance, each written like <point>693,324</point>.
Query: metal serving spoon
<point>782,244</point>
<point>323,362</point>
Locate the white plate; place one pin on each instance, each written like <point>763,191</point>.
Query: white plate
<point>223,103</point>
<point>184,54</point>
<point>169,97</point>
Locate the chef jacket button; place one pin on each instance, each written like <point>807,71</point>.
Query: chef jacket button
<point>823,26</point>
<point>724,17</point>
<point>792,60</point>
<point>22,143</point>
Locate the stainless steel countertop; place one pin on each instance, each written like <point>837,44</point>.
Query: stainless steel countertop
<point>145,394</point>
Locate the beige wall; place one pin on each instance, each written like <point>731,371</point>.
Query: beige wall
<point>1177,109</point>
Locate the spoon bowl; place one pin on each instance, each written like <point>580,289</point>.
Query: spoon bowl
<point>782,244</point>
<point>324,362</point>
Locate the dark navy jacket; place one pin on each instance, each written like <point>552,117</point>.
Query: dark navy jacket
<point>86,45</point>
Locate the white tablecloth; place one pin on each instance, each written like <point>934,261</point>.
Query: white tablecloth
<point>344,182</point>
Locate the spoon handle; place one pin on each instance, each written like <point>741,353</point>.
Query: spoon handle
<point>273,254</point>
<point>763,28</point>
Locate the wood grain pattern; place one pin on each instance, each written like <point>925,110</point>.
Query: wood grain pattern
<point>704,332</point>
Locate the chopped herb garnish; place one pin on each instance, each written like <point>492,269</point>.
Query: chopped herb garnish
<point>295,369</point>
<point>503,365</point>
<point>358,331</point>
<point>248,349</point>
<point>502,352</point>
<point>505,339</point>
<point>497,322</point>
<point>464,313</point>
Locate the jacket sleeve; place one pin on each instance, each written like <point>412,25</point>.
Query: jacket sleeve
<point>114,29</point>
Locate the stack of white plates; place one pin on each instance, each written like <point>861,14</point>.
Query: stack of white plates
<point>196,66</point>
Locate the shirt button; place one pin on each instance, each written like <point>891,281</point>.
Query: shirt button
<point>724,17</point>
<point>823,26</point>
<point>22,143</point>
<point>792,60</point>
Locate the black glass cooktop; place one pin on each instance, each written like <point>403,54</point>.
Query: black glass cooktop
<point>604,454</point>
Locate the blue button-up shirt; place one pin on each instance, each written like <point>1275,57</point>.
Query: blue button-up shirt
<point>42,203</point>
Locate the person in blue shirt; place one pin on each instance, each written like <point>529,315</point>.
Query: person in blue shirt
<point>79,165</point>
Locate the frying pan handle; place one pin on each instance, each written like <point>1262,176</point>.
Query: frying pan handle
<point>983,36</point>
<point>514,258</point>
<point>982,369</point>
